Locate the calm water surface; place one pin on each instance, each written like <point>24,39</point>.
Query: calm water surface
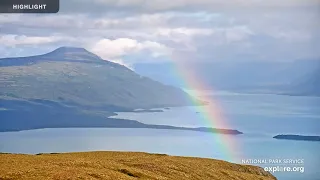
<point>260,117</point>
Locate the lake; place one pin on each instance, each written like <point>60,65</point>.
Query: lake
<point>260,117</point>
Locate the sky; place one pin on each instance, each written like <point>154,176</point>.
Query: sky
<point>139,31</point>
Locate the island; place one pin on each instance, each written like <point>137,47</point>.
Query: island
<point>297,137</point>
<point>123,165</point>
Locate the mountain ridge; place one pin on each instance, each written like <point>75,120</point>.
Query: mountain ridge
<point>74,65</point>
<point>64,53</point>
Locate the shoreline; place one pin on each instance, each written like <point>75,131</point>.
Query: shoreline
<point>163,127</point>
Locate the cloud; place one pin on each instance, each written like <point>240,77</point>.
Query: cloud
<point>138,6</point>
<point>238,33</point>
<point>116,50</point>
<point>14,40</point>
<point>169,32</point>
<point>130,31</point>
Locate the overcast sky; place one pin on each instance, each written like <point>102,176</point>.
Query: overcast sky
<point>130,31</point>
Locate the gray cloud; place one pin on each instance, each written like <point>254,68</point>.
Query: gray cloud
<point>138,6</point>
<point>202,30</point>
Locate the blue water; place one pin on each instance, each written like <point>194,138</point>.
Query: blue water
<point>260,117</point>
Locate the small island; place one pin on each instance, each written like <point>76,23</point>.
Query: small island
<point>297,137</point>
<point>216,130</point>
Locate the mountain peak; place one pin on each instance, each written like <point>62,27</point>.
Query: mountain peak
<point>71,49</point>
<point>75,53</point>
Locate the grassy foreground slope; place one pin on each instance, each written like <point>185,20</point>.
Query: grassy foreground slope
<point>123,165</point>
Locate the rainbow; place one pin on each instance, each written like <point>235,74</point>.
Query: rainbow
<point>211,114</point>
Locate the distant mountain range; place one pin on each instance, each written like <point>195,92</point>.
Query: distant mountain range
<point>292,78</point>
<point>308,85</point>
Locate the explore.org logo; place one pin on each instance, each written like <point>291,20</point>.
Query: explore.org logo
<point>277,165</point>
<point>284,169</point>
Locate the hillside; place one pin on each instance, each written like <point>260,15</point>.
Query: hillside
<point>76,76</point>
<point>123,165</point>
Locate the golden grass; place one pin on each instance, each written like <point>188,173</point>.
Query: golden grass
<point>123,166</point>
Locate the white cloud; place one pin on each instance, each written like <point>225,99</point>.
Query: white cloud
<point>115,50</point>
<point>170,32</point>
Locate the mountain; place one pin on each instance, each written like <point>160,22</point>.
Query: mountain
<point>76,76</point>
<point>239,76</point>
<point>72,87</point>
<point>308,84</point>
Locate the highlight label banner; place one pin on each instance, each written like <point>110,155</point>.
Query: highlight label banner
<point>29,6</point>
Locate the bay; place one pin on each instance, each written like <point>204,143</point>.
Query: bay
<point>259,116</point>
